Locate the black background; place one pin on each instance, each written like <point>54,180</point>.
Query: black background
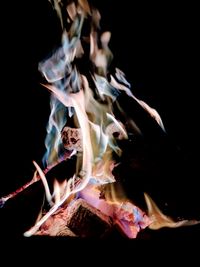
<point>155,44</point>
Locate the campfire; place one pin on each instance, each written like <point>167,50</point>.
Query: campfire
<point>87,128</point>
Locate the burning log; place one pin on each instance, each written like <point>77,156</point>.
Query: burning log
<point>56,225</point>
<point>87,221</point>
<point>79,219</point>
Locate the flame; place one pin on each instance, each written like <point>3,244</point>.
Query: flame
<point>72,95</point>
<point>160,220</point>
<point>127,217</point>
<point>44,181</point>
<point>90,97</point>
<point>57,7</point>
<point>70,189</point>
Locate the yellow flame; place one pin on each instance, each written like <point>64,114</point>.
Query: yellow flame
<point>57,192</point>
<point>160,220</point>
<point>114,194</point>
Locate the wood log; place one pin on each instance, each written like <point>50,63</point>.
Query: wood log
<point>87,221</point>
<point>78,219</point>
<point>56,225</point>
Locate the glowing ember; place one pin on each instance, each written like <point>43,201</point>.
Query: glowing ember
<point>83,124</point>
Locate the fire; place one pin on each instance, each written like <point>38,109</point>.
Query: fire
<point>160,220</point>
<point>86,99</point>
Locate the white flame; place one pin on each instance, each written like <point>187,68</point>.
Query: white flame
<point>44,181</point>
